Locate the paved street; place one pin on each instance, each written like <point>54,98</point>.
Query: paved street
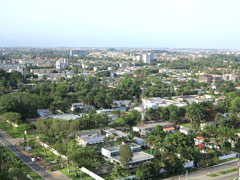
<point>202,174</point>
<point>10,144</point>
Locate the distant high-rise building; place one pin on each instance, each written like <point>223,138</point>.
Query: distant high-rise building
<point>61,64</point>
<point>138,58</point>
<point>147,58</point>
<point>77,52</point>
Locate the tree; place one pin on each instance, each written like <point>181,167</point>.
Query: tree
<point>132,118</point>
<point>117,172</point>
<point>195,113</point>
<point>82,158</point>
<point>17,174</point>
<point>151,114</point>
<point>174,115</point>
<point>172,163</point>
<point>235,107</point>
<point>12,118</point>
<point>232,121</point>
<point>10,166</point>
<point>226,147</point>
<point>125,155</point>
<point>61,150</point>
<point>196,156</point>
<point>146,170</point>
<point>24,103</point>
<point>155,138</point>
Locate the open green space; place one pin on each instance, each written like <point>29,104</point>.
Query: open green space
<point>17,132</point>
<point>213,175</point>
<point>229,159</point>
<point>228,171</point>
<point>71,174</point>
<point>40,151</point>
<point>189,125</point>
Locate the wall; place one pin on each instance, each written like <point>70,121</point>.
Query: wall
<point>52,150</point>
<point>90,173</point>
<point>129,177</point>
<point>234,154</point>
<point>189,164</point>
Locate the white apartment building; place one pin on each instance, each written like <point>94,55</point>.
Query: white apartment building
<point>147,58</point>
<point>113,154</point>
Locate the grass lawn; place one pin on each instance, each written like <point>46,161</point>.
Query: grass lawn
<point>40,151</point>
<point>189,125</point>
<point>230,159</point>
<point>228,171</point>
<point>220,173</point>
<point>71,174</point>
<point>148,151</point>
<point>213,175</point>
<point>17,131</point>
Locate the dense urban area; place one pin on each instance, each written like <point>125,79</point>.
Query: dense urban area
<point>119,113</point>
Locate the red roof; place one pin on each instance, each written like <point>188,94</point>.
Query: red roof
<point>200,146</point>
<point>168,128</point>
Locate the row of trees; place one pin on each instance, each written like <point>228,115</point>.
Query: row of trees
<point>10,81</point>
<point>25,104</point>
<point>196,113</point>
<point>171,113</point>
<point>55,130</point>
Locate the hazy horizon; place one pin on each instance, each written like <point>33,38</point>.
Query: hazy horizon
<point>172,24</point>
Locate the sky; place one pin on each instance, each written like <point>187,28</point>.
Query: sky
<point>120,23</point>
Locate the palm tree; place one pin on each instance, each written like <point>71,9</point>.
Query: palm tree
<point>195,113</point>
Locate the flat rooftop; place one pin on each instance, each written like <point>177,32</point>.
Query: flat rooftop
<point>137,156</point>
<point>88,133</point>
<point>152,125</point>
<point>65,116</point>
<point>112,130</point>
<point>93,140</point>
<point>117,148</point>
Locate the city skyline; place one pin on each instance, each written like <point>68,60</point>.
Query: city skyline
<point>154,24</point>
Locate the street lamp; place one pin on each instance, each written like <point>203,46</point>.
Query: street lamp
<point>25,136</point>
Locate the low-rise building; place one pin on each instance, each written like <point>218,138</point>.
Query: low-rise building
<point>112,132</point>
<point>206,78</point>
<point>155,102</point>
<point>113,155</point>
<point>44,112</point>
<point>90,138</point>
<point>184,130</point>
<point>68,116</point>
<point>148,127</point>
<point>80,106</point>
<point>122,103</point>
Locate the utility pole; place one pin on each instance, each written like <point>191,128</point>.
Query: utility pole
<point>143,113</point>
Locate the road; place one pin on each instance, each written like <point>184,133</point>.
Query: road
<point>202,174</point>
<point>10,144</point>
